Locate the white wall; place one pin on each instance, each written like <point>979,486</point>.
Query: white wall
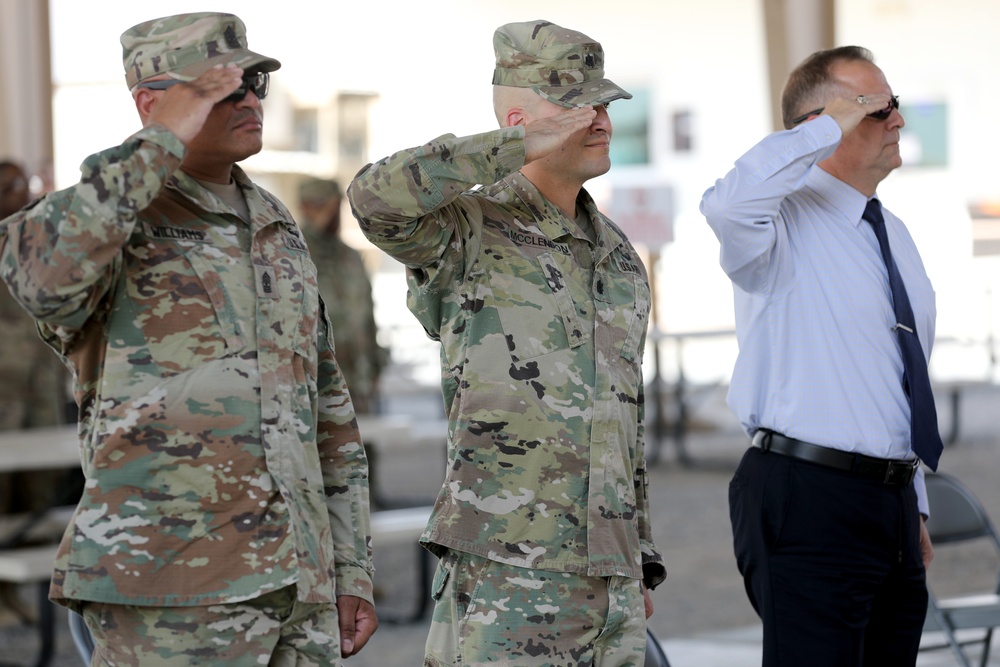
<point>431,63</point>
<point>933,51</point>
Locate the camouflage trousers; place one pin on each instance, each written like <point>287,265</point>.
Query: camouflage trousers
<point>490,613</point>
<point>274,629</point>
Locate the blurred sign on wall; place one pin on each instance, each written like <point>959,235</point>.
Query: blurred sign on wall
<point>645,213</point>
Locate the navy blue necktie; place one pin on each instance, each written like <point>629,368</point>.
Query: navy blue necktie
<point>925,439</point>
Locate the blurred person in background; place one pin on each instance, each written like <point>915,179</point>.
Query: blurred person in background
<point>541,306</point>
<point>225,518</point>
<point>32,391</point>
<point>347,291</point>
<point>835,321</point>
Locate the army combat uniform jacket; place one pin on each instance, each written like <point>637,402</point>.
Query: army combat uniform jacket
<point>221,452</point>
<point>542,336</point>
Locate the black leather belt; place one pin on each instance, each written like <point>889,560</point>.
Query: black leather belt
<point>888,471</point>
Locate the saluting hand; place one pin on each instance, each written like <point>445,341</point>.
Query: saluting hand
<point>849,112</point>
<point>184,107</point>
<point>544,135</point>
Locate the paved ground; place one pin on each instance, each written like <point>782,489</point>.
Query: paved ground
<point>702,615</point>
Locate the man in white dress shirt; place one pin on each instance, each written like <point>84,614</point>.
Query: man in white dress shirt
<point>827,507</point>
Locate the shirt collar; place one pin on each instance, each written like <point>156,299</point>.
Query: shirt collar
<point>549,219</point>
<point>845,199</point>
<point>261,211</point>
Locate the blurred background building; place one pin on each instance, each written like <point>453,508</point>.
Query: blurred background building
<point>362,79</point>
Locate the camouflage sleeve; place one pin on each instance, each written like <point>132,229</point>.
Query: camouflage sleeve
<point>402,202</point>
<point>59,256</point>
<point>345,475</point>
<point>653,571</point>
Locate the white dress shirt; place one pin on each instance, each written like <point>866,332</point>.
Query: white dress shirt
<point>818,360</point>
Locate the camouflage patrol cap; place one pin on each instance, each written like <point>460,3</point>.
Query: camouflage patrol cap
<point>319,190</point>
<point>185,46</point>
<point>563,66</point>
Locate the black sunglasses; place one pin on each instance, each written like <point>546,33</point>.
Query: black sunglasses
<point>881,114</point>
<point>256,83</point>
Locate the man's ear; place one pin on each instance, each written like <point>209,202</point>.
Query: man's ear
<point>145,102</point>
<point>516,116</point>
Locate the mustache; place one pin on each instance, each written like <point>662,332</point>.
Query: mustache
<point>248,114</point>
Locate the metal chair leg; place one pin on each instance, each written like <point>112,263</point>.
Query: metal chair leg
<point>46,626</point>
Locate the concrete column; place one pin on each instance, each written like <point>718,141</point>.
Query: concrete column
<point>26,72</point>
<point>794,29</point>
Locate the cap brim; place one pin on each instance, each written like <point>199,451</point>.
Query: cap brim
<point>586,94</point>
<point>248,60</point>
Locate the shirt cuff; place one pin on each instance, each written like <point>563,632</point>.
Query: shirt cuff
<point>510,149</point>
<point>923,506</point>
<point>355,581</point>
<point>161,136</point>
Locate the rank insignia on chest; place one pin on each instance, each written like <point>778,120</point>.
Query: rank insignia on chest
<point>266,282</point>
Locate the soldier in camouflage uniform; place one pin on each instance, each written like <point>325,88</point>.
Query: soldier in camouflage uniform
<point>346,290</point>
<point>225,518</point>
<point>541,305</point>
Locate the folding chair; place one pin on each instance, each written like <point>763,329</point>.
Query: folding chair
<point>655,655</point>
<point>958,517</point>
<point>82,638</point>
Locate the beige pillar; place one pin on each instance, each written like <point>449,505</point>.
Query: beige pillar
<point>794,29</point>
<point>26,72</point>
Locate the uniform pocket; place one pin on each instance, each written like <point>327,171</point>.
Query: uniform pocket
<point>638,321</point>
<point>624,301</point>
<point>442,575</point>
<point>180,311</point>
<point>535,308</point>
